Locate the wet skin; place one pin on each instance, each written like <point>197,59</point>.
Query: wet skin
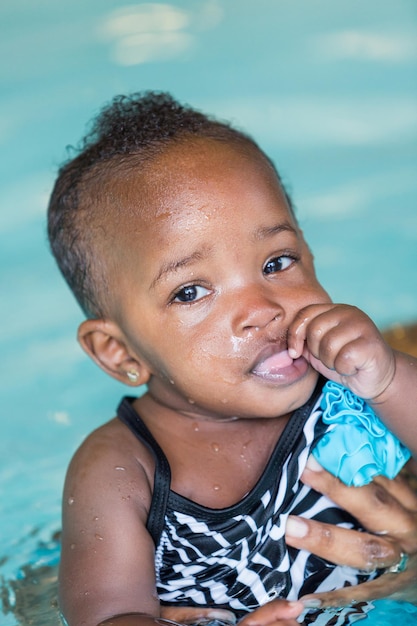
<point>215,269</point>
<point>208,274</point>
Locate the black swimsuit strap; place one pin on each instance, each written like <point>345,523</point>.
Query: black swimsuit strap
<point>162,478</point>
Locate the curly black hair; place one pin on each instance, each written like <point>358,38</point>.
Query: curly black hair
<point>127,133</point>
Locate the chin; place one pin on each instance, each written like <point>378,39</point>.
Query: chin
<point>281,399</point>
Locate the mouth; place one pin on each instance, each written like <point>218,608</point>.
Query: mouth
<point>275,364</point>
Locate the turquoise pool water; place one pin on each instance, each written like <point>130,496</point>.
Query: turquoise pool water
<point>328,88</point>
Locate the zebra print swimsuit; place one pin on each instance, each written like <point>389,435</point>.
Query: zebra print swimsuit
<point>236,557</point>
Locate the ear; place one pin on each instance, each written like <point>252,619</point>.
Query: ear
<point>104,342</point>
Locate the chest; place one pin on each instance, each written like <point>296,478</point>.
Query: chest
<point>218,467</point>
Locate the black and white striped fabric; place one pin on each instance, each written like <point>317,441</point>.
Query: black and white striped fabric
<point>236,557</point>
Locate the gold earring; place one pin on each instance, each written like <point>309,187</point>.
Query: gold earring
<point>133,376</point>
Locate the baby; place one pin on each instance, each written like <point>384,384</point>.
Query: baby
<point>179,241</point>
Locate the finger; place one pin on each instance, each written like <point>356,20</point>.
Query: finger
<point>342,546</point>
<point>297,332</point>
<point>399,487</point>
<point>190,615</point>
<point>395,586</point>
<point>325,328</point>
<point>341,351</point>
<point>372,505</point>
<point>276,612</point>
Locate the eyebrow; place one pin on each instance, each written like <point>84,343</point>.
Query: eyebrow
<point>269,231</point>
<point>172,266</point>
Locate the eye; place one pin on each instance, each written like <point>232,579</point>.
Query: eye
<point>190,293</point>
<point>278,264</point>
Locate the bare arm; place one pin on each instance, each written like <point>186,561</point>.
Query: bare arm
<point>107,562</point>
<point>131,619</point>
<point>397,405</point>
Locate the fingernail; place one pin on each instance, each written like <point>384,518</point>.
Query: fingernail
<point>292,353</point>
<point>313,465</point>
<point>295,527</point>
<point>312,603</point>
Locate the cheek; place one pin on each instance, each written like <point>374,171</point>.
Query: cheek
<point>324,297</point>
<point>205,349</point>
<point>218,358</point>
<point>204,345</point>
<point>316,293</point>
<point>177,344</point>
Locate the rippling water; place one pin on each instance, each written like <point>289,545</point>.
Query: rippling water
<point>327,88</point>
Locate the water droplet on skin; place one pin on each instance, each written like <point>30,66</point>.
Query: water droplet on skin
<point>95,519</point>
<point>224,401</point>
<point>71,500</point>
<point>72,546</point>
<point>237,343</point>
<point>216,487</point>
<point>191,401</point>
<point>215,447</point>
<point>99,537</point>
<point>196,429</point>
<point>171,381</point>
<point>120,468</point>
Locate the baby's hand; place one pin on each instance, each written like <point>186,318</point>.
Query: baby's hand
<point>342,343</point>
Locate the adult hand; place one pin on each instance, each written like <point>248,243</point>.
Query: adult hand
<point>387,509</point>
<point>276,613</point>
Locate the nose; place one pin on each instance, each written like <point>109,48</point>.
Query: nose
<point>256,308</point>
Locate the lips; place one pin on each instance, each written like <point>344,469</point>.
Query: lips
<point>272,363</point>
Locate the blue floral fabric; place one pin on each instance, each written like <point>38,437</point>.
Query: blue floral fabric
<point>358,446</point>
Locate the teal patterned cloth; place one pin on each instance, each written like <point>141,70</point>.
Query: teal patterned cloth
<point>358,446</point>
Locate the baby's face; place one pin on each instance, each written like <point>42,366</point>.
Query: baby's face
<point>212,271</point>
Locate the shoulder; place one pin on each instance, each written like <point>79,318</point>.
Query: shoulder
<point>111,464</point>
<point>107,552</point>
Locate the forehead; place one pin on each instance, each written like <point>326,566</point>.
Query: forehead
<point>193,175</point>
<point>199,193</point>
<point>197,196</point>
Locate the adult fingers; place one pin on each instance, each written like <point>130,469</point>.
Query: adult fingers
<point>399,487</point>
<point>342,546</point>
<point>401,587</point>
<point>373,505</point>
